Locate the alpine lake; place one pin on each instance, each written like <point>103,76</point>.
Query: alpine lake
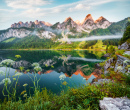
<point>60,68</point>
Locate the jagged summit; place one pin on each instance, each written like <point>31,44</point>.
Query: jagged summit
<point>36,24</point>
<point>77,22</point>
<point>88,17</point>
<point>67,19</point>
<point>100,18</point>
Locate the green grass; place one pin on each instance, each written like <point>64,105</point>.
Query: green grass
<point>9,40</point>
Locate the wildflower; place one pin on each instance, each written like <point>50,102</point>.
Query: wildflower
<point>14,78</point>
<point>62,77</point>
<point>25,84</point>
<point>35,64</point>
<point>21,68</point>
<point>7,62</point>
<point>52,66</point>
<point>65,83</point>
<point>25,95</point>
<point>17,56</point>
<point>2,73</point>
<point>23,92</point>
<point>27,70</point>
<point>6,81</point>
<point>84,78</point>
<point>18,74</point>
<point>37,68</point>
<point>46,65</point>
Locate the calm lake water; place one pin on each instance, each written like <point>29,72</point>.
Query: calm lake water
<point>76,66</point>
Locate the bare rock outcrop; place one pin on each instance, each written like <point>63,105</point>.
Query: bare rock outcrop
<point>125,46</point>
<point>108,103</point>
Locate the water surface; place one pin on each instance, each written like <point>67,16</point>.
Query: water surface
<point>77,66</point>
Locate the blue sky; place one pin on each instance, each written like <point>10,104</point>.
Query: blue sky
<point>52,11</point>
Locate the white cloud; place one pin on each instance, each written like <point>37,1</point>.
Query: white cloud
<point>81,5</point>
<point>6,10</point>
<point>25,4</point>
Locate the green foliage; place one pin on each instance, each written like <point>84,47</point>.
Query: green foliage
<point>9,40</point>
<point>113,42</point>
<point>111,49</point>
<point>126,35</point>
<point>114,28</point>
<point>127,79</point>
<point>102,64</point>
<point>119,52</point>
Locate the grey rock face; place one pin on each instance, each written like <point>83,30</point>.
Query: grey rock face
<point>100,81</point>
<point>125,46</point>
<point>19,33</point>
<point>115,103</point>
<point>36,24</point>
<point>108,64</point>
<point>120,61</point>
<point>22,63</point>
<point>48,62</point>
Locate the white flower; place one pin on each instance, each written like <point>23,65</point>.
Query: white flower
<point>7,62</point>
<point>2,73</point>
<point>25,95</point>
<point>25,84</point>
<point>84,78</point>
<point>62,77</point>
<point>37,68</point>
<point>119,68</point>
<point>6,81</point>
<point>18,74</point>
<point>35,64</point>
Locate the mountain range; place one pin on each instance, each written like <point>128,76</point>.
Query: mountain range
<point>68,28</point>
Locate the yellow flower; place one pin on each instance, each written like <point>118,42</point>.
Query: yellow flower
<point>14,78</point>
<point>23,92</point>
<point>17,56</point>
<point>25,84</point>
<point>65,83</point>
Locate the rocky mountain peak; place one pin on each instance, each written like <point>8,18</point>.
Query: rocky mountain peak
<point>20,22</point>
<point>36,22</point>
<point>88,17</point>
<point>77,22</point>
<point>100,19</point>
<point>67,19</point>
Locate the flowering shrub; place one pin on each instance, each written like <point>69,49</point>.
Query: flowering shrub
<point>6,81</point>
<point>62,77</point>
<point>2,73</point>
<point>7,62</point>
<point>35,64</point>
<point>37,69</point>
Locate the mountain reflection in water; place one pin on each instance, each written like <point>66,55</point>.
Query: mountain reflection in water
<point>77,66</point>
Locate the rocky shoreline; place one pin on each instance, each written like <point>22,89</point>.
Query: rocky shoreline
<point>118,64</point>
